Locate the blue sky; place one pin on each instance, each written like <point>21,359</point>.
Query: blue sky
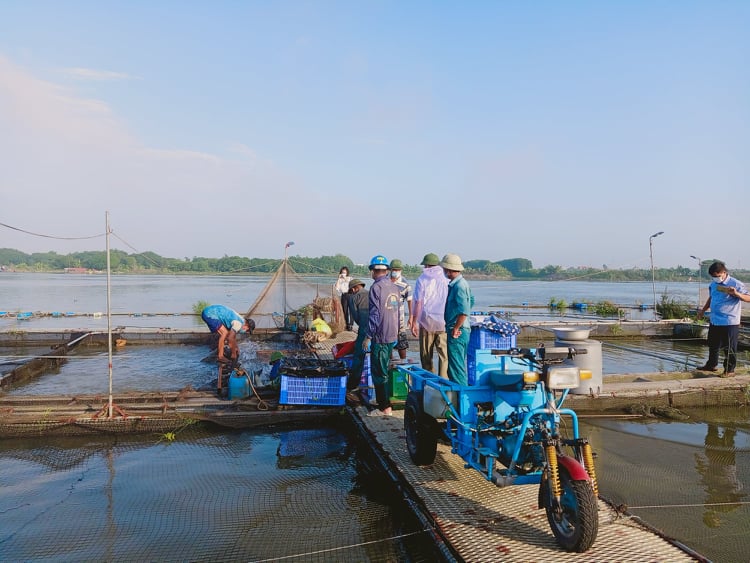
<point>562,132</point>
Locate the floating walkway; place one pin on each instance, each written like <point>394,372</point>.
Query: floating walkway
<point>478,521</point>
<point>26,416</point>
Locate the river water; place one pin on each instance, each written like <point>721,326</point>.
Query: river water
<point>80,302</point>
<point>133,295</point>
<point>250,495</point>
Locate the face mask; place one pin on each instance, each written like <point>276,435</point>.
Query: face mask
<point>717,279</point>
<point>395,275</point>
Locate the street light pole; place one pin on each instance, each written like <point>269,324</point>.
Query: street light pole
<point>653,276</point>
<point>700,264</point>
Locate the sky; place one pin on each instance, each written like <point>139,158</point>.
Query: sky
<point>567,133</point>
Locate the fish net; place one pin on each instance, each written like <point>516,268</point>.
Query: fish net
<point>291,302</point>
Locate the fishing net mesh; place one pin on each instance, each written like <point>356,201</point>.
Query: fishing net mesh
<point>289,301</point>
<point>203,496</point>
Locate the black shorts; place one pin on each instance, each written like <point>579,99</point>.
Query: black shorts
<point>403,343</point>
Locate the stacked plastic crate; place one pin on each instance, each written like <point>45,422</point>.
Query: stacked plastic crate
<point>491,333</point>
<point>312,382</point>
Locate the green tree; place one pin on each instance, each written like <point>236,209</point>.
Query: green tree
<point>517,266</point>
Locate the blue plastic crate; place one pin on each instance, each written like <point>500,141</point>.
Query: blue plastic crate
<point>483,339</point>
<point>317,391</point>
<point>366,387</point>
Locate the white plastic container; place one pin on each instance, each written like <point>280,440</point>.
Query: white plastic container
<point>434,404</point>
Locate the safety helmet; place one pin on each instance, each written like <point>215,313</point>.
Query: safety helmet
<point>452,262</point>
<point>379,262</point>
<point>397,264</point>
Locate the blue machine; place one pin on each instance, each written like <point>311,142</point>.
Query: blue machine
<point>507,426</point>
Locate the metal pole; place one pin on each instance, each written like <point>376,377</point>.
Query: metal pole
<point>653,277</point>
<point>699,279</point>
<point>286,246</point>
<point>109,320</point>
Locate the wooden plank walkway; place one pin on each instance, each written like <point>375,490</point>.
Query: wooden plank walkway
<point>482,522</point>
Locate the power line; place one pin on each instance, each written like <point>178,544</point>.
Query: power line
<point>49,236</point>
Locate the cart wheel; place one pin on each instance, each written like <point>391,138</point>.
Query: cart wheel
<point>421,431</point>
<point>575,521</point>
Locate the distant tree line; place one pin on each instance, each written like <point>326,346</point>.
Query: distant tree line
<point>150,262</point>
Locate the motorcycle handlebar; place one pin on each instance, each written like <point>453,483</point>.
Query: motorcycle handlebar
<point>528,354</point>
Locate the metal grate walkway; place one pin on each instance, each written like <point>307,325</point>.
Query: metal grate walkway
<point>482,522</point>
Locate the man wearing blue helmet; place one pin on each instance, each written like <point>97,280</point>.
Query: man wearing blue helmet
<point>382,330</point>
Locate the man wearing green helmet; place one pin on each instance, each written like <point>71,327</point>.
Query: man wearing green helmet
<point>428,319</point>
<point>458,306</point>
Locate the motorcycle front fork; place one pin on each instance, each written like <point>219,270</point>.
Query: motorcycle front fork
<point>583,454</point>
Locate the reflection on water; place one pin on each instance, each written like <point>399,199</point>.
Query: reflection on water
<point>717,466</point>
<point>303,448</point>
<point>206,496</point>
<point>688,479</point>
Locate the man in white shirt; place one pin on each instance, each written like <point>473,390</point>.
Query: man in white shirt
<point>427,320</point>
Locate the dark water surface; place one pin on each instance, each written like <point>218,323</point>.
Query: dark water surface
<point>690,479</point>
<point>303,495</point>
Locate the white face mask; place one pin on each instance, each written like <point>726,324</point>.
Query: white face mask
<point>718,279</point>
<point>395,275</point>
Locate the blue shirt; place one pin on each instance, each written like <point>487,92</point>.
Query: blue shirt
<point>459,302</point>
<point>219,315</point>
<point>726,309</point>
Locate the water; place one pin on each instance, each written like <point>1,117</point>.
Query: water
<point>166,301</point>
<point>299,494</point>
<point>202,496</point>
<point>135,298</point>
<point>175,367</point>
<point>690,479</point>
